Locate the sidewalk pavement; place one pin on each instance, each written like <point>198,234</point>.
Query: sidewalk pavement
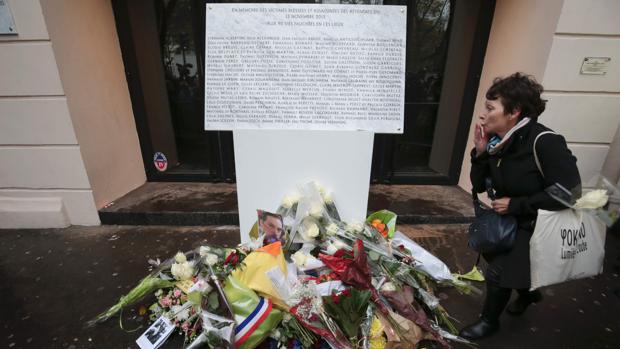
<point>54,280</point>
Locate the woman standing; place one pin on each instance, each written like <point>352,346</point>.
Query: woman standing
<point>504,141</point>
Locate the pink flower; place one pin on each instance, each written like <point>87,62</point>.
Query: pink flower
<point>185,326</point>
<point>177,293</point>
<point>166,302</point>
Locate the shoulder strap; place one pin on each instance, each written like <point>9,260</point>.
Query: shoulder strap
<point>536,154</point>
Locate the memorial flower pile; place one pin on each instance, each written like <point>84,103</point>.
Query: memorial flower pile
<point>326,283</point>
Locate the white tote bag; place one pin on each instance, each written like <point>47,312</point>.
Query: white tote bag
<point>566,245</point>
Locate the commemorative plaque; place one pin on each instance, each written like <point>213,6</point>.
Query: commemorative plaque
<point>305,67</point>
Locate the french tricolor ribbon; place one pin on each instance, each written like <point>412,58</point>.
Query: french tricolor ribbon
<point>251,323</point>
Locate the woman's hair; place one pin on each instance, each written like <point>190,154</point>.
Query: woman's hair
<point>518,91</point>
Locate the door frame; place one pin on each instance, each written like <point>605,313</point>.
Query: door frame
<point>222,141</point>
<point>383,172</point>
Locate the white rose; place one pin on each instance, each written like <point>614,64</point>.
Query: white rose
<point>312,230</point>
<point>593,200</point>
<point>331,229</point>
<point>340,245</point>
<point>331,249</point>
<point>290,199</point>
<point>320,188</point>
<point>204,250</point>
<point>287,202</point>
<point>388,286</point>
<point>180,257</point>
<point>316,210</point>
<point>211,259</point>
<point>327,197</point>
<point>182,271</point>
<point>355,226</point>
<point>299,258</point>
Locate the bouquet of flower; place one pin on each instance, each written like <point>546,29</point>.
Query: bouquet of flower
<point>331,284</point>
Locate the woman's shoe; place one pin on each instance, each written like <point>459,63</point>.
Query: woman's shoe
<point>524,300</point>
<point>494,304</point>
<point>479,330</point>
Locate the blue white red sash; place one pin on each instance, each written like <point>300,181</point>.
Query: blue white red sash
<point>251,323</point>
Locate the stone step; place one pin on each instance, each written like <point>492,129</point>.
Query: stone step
<point>197,204</point>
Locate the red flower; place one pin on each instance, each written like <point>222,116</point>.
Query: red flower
<point>335,298</point>
<point>345,293</point>
<point>232,259</point>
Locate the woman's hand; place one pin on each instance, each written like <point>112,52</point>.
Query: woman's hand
<point>501,205</point>
<point>480,139</point>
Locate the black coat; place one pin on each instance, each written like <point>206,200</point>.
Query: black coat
<point>515,175</point>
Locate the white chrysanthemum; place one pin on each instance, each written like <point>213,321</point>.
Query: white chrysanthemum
<point>299,258</point>
<point>593,200</point>
<point>180,257</point>
<point>204,250</point>
<point>331,229</point>
<point>182,271</point>
<point>211,259</point>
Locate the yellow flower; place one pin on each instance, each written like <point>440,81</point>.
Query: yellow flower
<point>377,340</point>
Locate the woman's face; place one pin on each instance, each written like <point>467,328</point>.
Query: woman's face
<point>494,120</point>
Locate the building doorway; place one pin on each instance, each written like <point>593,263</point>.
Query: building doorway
<point>162,42</point>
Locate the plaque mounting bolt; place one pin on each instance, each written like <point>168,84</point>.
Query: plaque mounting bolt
<point>402,10</point>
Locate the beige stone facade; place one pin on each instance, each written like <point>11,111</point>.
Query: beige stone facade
<point>550,39</point>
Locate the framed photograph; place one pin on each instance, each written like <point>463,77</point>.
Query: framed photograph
<point>156,334</point>
<point>272,225</point>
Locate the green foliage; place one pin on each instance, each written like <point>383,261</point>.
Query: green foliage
<point>348,310</point>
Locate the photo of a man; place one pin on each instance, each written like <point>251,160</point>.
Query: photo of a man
<point>271,225</point>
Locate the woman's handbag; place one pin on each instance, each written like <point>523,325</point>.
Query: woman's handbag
<point>566,245</point>
<point>491,232</point>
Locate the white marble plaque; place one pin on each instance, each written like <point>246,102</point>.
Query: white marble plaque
<point>7,24</point>
<point>305,67</point>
